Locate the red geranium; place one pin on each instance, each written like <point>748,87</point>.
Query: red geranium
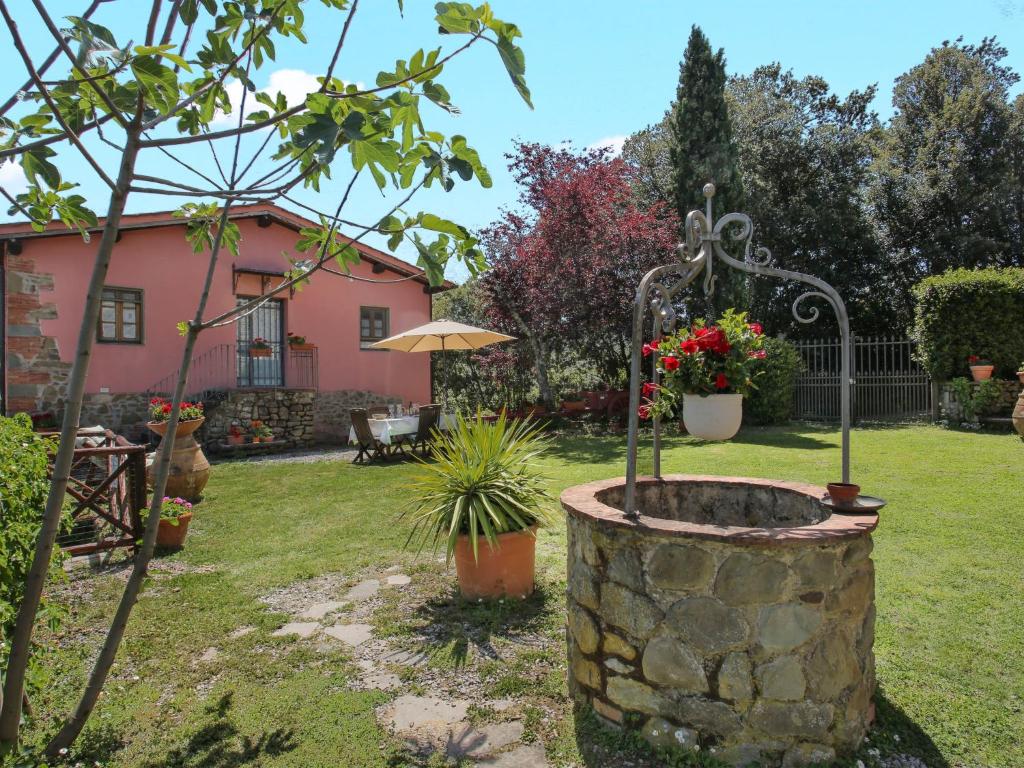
<point>689,347</point>
<point>644,412</point>
<point>648,348</point>
<point>973,359</point>
<point>758,354</point>
<point>670,363</point>
<point>721,382</point>
<point>756,328</point>
<point>649,389</point>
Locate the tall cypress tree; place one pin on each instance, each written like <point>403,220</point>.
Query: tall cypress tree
<point>702,149</point>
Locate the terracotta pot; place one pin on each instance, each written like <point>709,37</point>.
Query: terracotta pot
<point>190,470</point>
<point>536,410</point>
<point>843,493</point>
<point>302,347</point>
<point>171,535</point>
<point>574,405</point>
<point>982,372</point>
<point>257,439</point>
<point>260,352</point>
<point>506,571</point>
<point>1018,415</point>
<point>713,417</point>
<point>236,439</point>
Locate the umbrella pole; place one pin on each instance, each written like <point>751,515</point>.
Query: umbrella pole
<point>444,377</point>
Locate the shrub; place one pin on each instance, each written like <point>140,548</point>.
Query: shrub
<point>24,485</point>
<point>775,376</point>
<point>962,313</point>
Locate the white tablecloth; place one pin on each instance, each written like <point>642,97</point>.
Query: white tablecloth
<point>387,429</point>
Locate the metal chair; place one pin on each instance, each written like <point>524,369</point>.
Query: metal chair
<point>370,448</point>
<point>430,415</point>
<point>378,410</point>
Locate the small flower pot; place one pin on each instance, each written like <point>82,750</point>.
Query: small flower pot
<point>302,347</point>
<point>713,417</point>
<point>982,372</point>
<point>172,533</point>
<point>843,493</point>
<point>260,352</point>
<point>236,439</point>
<point>505,571</point>
<point>1020,376</point>
<point>257,439</point>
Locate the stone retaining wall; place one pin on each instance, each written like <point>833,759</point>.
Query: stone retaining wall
<point>331,421</point>
<point>754,641</point>
<point>288,413</point>
<point>1008,394</point>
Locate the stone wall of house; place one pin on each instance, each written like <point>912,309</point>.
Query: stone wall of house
<point>126,413</point>
<point>761,651</point>
<point>36,377</point>
<point>1009,391</point>
<point>331,421</point>
<point>288,413</point>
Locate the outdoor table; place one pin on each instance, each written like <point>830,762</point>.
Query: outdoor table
<point>387,429</point>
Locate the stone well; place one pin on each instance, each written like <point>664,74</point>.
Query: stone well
<point>735,614</point>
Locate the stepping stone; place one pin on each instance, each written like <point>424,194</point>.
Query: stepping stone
<point>405,658</point>
<point>499,705</point>
<point>467,741</point>
<point>364,590</point>
<point>210,654</point>
<point>381,681</point>
<point>242,632</point>
<point>350,634</point>
<point>399,580</point>
<point>411,713</point>
<point>527,756</point>
<point>319,610</point>
<point>300,628</point>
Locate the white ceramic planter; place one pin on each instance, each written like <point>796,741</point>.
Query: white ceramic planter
<point>713,417</point>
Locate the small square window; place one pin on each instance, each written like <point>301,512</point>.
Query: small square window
<point>373,325</point>
<point>120,316</point>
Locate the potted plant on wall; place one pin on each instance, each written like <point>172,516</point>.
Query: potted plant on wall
<point>297,343</point>
<point>706,369</point>
<point>261,433</point>
<point>175,515</point>
<point>981,368</point>
<point>259,347</point>
<point>483,497</point>
<point>235,434</point>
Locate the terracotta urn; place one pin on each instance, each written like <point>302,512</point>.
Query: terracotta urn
<point>171,533</point>
<point>189,468</point>
<point>505,571</point>
<point>1018,415</point>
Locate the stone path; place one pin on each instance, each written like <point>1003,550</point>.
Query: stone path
<point>426,723</point>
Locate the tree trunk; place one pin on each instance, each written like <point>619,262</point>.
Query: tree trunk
<point>97,678</point>
<point>21,640</point>
<point>540,359</point>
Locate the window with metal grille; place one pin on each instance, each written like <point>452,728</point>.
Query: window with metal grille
<point>373,325</point>
<point>120,316</point>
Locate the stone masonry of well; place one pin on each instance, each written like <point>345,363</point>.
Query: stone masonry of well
<point>735,615</point>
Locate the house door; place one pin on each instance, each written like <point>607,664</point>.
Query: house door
<point>266,322</point>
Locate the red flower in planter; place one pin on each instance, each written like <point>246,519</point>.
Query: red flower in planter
<point>649,389</point>
<point>689,347</point>
<point>758,354</point>
<point>166,407</point>
<point>670,363</point>
<point>756,328</point>
<point>721,382</point>
<point>644,412</point>
<point>648,348</point>
<point>973,359</point>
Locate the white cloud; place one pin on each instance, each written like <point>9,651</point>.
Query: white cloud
<point>615,143</point>
<point>295,84</point>
<point>12,178</point>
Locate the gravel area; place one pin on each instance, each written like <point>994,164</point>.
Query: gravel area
<point>298,456</point>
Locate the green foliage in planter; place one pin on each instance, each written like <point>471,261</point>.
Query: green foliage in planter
<point>775,377</point>
<point>24,485</point>
<point>970,312</point>
<point>975,399</point>
<point>481,481</point>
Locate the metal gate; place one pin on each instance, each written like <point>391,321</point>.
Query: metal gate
<point>267,323</point>
<point>888,383</point>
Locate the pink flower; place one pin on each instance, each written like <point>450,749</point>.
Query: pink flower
<point>756,328</point>
<point>759,354</point>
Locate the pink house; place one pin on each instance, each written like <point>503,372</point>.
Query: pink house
<point>154,282</point>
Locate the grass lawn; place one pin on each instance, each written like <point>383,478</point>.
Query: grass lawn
<point>949,643</point>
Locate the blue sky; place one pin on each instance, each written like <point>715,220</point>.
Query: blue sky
<point>598,71</point>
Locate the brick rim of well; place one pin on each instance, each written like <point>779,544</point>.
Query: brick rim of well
<point>581,501</point>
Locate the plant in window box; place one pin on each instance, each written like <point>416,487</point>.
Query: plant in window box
<point>981,368</point>
<point>298,343</point>
<point>189,468</point>
<point>175,515</point>
<point>259,347</point>
<point>709,368</point>
<point>235,434</point>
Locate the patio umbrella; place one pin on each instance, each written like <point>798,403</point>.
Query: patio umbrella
<point>442,335</point>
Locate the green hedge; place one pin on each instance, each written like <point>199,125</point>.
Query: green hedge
<point>23,489</point>
<point>962,313</point>
<point>772,401</point>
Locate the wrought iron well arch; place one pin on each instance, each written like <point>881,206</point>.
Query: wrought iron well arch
<point>702,245</point>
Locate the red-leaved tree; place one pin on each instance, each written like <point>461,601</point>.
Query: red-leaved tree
<point>564,267</point>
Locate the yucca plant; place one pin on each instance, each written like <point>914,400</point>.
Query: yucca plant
<point>481,481</point>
